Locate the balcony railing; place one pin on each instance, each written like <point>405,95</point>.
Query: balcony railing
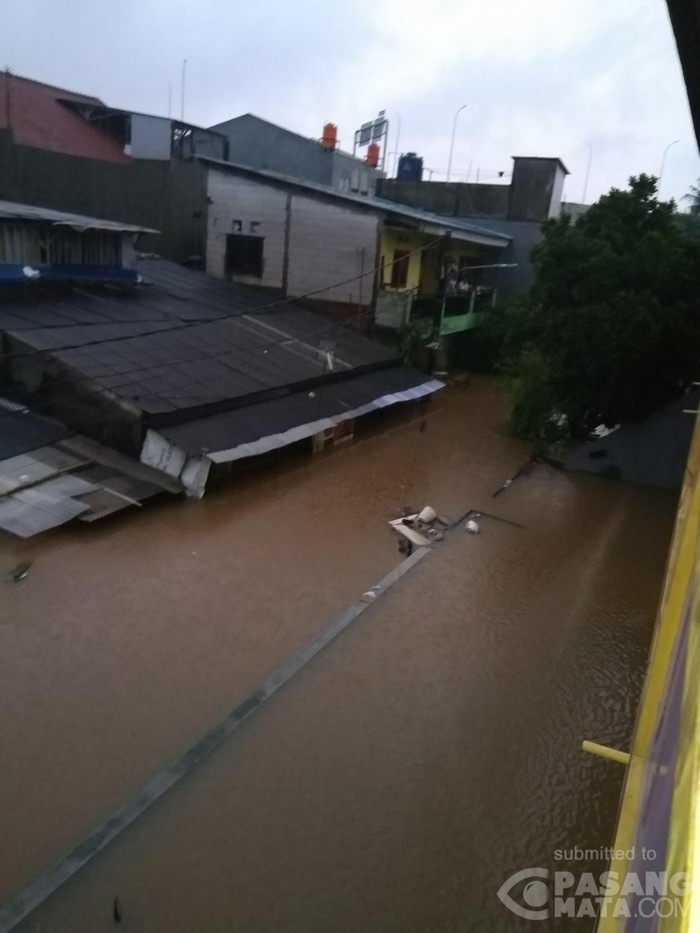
<point>453,314</point>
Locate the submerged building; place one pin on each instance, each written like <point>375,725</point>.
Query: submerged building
<point>185,372</point>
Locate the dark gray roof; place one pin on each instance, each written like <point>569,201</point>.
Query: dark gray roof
<point>22,430</point>
<point>653,451</point>
<point>247,425</point>
<point>188,341</point>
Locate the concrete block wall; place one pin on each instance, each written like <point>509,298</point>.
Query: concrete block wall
<point>327,244</point>
<point>260,210</point>
<point>309,242</point>
<point>454,199</point>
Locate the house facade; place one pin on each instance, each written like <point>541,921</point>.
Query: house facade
<point>365,259</point>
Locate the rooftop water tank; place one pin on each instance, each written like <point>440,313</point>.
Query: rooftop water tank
<point>372,157</point>
<point>410,167</point>
<point>330,136</point>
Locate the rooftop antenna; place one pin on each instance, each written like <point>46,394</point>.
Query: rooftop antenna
<point>170,99</point>
<point>182,95</point>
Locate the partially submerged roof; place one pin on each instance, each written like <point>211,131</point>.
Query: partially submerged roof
<point>424,220</point>
<point>49,477</point>
<point>12,210</point>
<point>248,432</point>
<point>214,369</point>
<point>36,115</point>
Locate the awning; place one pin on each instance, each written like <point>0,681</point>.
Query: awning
<point>248,432</point>
<point>11,210</point>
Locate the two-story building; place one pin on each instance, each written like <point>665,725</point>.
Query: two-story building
<point>362,258</point>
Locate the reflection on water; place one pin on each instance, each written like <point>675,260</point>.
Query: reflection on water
<point>428,754</point>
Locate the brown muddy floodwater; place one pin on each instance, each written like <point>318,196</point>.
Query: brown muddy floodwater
<point>401,777</point>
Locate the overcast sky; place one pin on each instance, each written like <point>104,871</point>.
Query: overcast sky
<point>562,78</point>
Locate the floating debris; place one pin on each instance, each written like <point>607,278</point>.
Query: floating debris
<point>419,528</point>
<point>117,910</point>
<point>20,572</point>
<point>473,527</point>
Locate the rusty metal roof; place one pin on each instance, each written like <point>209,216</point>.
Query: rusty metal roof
<point>36,116</point>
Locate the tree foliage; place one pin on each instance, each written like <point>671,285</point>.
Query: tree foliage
<point>611,327</point>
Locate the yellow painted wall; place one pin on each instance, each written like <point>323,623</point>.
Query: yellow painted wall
<point>424,270</point>
<point>405,241</point>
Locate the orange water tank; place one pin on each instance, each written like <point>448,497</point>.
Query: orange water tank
<point>372,157</point>
<point>330,136</point>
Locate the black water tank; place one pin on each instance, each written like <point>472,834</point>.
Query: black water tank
<point>410,167</point>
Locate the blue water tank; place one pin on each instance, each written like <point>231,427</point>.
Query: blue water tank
<point>410,167</point>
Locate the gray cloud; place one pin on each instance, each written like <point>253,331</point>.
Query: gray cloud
<point>547,77</point>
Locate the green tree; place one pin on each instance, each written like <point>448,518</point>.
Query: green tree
<point>611,326</point>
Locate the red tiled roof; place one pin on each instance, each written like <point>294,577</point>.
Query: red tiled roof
<point>35,116</point>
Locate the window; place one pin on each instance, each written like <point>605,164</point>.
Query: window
<point>244,255</point>
<point>399,270</point>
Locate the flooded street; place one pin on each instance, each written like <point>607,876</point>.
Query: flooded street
<point>422,758</point>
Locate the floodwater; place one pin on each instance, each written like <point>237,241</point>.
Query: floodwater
<point>421,759</point>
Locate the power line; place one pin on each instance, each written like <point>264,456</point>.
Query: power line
<point>143,372</point>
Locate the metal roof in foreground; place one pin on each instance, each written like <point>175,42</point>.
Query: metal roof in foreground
<point>14,211</point>
<point>48,477</point>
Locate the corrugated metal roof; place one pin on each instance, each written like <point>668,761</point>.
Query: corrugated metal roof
<point>76,478</point>
<point>247,426</point>
<point>13,210</point>
<point>31,511</point>
<point>34,466</point>
<point>231,351</point>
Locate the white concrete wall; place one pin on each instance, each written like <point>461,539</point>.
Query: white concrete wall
<point>557,192</point>
<point>261,211</point>
<point>325,246</point>
<point>326,239</point>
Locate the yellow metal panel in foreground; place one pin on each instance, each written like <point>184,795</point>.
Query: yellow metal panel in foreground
<point>680,607</point>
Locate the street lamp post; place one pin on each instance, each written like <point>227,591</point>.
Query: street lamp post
<point>452,141</point>
<point>663,162</point>
<point>588,172</point>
